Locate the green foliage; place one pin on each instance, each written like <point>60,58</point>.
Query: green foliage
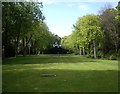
<point>90,28</point>
<point>42,38</point>
<point>66,42</point>
<point>96,35</point>
<point>111,31</point>
<point>111,55</point>
<point>23,27</point>
<point>86,30</point>
<point>118,23</point>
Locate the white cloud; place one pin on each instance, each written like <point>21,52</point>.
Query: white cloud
<point>59,30</point>
<point>53,1</point>
<point>49,2</point>
<point>56,1</point>
<point>70,5</point>
<point>84,7</point>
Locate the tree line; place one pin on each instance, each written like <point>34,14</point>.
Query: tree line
<point>96,36</point>
<point>24,30</point>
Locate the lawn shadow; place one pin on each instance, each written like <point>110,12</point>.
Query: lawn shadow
<point>64,81</point>
<point>42,59</point>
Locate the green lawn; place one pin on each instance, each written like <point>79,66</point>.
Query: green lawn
<point>74,74</point>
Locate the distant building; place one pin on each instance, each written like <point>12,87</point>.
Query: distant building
<point>56,44</point>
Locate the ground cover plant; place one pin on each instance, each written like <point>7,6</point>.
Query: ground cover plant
<point>74,73</point>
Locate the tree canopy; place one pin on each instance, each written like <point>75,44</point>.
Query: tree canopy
<point>24,31</point>
<point>96,35</point>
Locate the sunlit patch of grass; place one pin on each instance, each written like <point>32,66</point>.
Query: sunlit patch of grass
<point>74,74</point>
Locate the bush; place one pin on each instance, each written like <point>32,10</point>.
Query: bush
<point>99,54</point>
<point>9,51</point>
<point>113,57</point>
<point>99,57</point>
<point>76,52</point>
<point>88,56</point>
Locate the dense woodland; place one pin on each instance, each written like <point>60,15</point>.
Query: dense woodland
<point>24,31</point>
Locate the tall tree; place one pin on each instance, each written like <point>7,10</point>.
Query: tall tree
<point>18,22</point>
<point>110,29</point>
<point>118,23</point>
<point>89,31</point>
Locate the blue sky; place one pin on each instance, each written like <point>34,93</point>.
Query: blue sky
<point>60,16</point>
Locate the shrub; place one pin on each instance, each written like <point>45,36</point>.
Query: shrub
<point>88,55</point>
<point>99,54</point>
<point>113,57</point>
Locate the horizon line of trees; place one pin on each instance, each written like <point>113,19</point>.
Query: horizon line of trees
<point>25,32</point>
<point>96,36</point>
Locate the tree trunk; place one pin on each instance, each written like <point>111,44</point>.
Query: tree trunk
<point>80,51</point>
<point>88,50</point>
<point>94,47</point>
<point>17,44</point>
<point>29,50</point>
<point>116,48</point>
<point>38,52</point>
<point>83,51</point>
<point>118,55</point>
<point>24,48</point>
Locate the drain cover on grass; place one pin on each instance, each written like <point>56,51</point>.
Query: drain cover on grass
<point>47,75</point>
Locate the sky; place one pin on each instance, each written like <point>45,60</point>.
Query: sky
<point>60,15</point>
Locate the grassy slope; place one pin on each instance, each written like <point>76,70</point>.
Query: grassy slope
<point>74,74</point>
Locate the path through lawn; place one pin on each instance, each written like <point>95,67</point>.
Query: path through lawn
<point>74,74</point>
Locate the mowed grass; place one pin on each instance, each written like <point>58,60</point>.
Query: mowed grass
<point>73,74</point>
